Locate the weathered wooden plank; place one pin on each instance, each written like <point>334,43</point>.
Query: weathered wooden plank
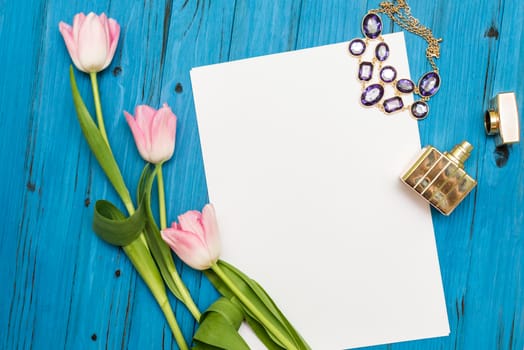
<point>495,284</point>
<point>199,33</point>
<point>61,245</point>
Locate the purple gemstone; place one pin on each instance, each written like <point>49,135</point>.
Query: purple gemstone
<point>382,52</point>
<point>405,85</point>
<point>429,84</point>
<point>393,104</point>
<point>372,25</point>
<point>420,109</point>
<point>372,94</point>
<point>365,71</point>
<point>388,74</point>
<point>357,47</point>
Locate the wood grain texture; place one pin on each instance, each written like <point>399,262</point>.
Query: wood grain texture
<point>64,288</point>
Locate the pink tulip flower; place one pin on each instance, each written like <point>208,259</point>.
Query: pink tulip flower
<point>195,238</point>
<point>154,132</point>
<point>91,41</point>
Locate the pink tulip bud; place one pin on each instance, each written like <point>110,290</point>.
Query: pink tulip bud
<point>154,132</point>
<point>91,41</point>
<point>195,238</point>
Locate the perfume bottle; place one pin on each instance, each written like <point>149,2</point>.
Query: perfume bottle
<point>440,177</point>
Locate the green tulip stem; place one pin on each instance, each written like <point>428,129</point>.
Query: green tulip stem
<point>161,197</point>
<point>186,297</point>
<point>140,256</point>
<point>98,107</point>
<point>252,308</point>
<point>173,324</point>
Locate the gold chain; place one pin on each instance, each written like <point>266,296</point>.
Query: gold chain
<point>401,14</point>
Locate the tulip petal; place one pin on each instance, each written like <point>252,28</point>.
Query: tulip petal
<point>114,34</point>
<point>209,222</point>
<point>103,22</point>
<point>78,20</point>
<point>114,30</point>
<point>138,135</point>
<point>188,247</point>
<point>92,46</point>
<point>67,33</point>
<point>191,221</point>
<point>144,117</point>
<point>163,130</point>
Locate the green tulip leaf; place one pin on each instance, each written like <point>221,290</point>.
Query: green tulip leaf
<point>218,328</point>
<point>139,254</point>
<point>274,308</point>
<point>256,294</point>
<point>110,224</point>
<point>266,337</point>
<point>159,249</point>
<point>262,334</point>
<point>97,143</point>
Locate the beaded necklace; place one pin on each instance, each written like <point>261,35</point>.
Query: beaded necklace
<point>373,93</point>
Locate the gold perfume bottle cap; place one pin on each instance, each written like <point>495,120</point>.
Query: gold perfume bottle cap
<point>502,119</point>
<point>460,153</point>
<point>492,122</point>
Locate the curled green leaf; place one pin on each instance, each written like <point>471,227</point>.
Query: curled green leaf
<point>110,224</point>
<point>218,328</point>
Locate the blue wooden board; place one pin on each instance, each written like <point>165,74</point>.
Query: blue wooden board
<point>63,288</point>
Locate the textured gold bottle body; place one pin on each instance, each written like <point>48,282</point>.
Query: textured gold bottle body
<point>439,179</point>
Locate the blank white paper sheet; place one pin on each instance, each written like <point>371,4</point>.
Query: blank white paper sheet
<point>305,182</point>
